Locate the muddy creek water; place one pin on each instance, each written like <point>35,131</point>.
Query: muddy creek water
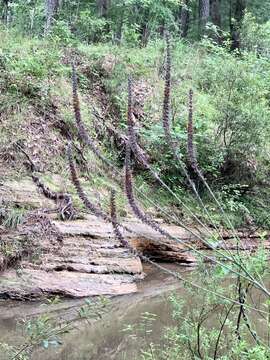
<point>104,339</point>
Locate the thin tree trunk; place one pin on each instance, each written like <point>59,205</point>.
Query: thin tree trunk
<point>215,15</point>
<point>235,23</point>
<point>103,7</point>
<point>184,19</point>
<point>145,34</point>
<point>204,15</point>
<point>119,31</point>
<point>215,12</point>
<point>5,13</point>
<point>51,7</point>
<point>145,30</point>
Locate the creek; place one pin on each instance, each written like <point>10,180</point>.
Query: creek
<point>105,339</point>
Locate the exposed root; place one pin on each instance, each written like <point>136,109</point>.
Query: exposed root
<point>63,200</point>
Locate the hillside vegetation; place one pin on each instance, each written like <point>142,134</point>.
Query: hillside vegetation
<point>231,115</point>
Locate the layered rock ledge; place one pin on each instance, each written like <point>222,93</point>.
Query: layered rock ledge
<point>81,258</point>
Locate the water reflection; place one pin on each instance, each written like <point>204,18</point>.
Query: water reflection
<point>105,339</point>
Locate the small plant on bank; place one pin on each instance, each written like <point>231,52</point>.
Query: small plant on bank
<point>11,217</point>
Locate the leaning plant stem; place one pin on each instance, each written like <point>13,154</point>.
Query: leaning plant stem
<point>209,245</point>
<point>144,218</point>
<point>232,258</point>
<point>114,221</point>
<point>221,330</point>
<point>87,203</point>
<point>142,158</point>
<point>167,125</point>
<point>199,287</point>
<point>132,136</point>
<point>199,336</point>
<point>195,166</point>
<point>191,152</point>
<point>192,157</point>
<point>119,236</point>
<point>168,136</point>
<point>242,313</point>
<point>91,144</point>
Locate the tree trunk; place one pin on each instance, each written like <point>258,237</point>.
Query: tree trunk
<point>184,19</point>
<point>235,23</point>
<point>118,34</point>
<point>204,15</point>
<point>103,7</point>
<point>5,11</point>
<point>215,12</point>
<point>51,7</point>
<point>145,34</point>
<point>215,15</point>
<point>144,26</point>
